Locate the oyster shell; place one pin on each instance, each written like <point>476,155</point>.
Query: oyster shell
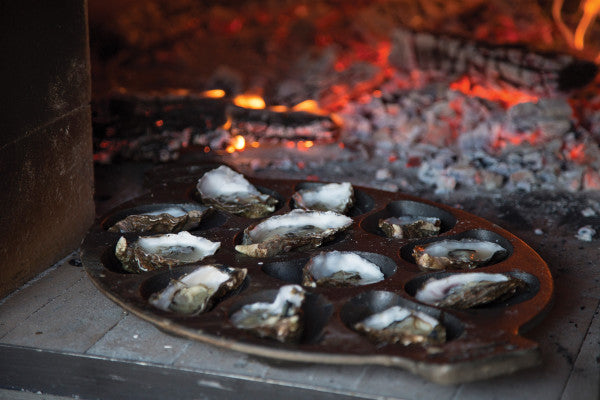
<point>467,290</point>
<point>459,254</point>
<point>296,229</point>
<point>197,291</point>
<point>280,320</point>
<point>337,268</point>
<point>402,325</point>
<point>337,197</point>
<point>229,191</point>
<point>166,220</point>
<point>148,253</point>
<point>409,227</point>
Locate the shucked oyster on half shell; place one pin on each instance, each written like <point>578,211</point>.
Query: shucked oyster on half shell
<point>229,191</point>
<point>458,254</point>
<point>340,268</point>
<point>296,229</point>
<point>281,320</point>
<point>166,220</point>
<point>402,325</point>
<point>338,197</point>
<point>197,291</point>
<point>409,227</point>
<point>462,291</point>
<point>148,253</point>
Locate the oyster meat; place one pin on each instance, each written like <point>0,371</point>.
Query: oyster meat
<point>462,291</point>
<point>296,229</point>
<point>199,290</point>
<point>402,325</point>
<point>229,191</point>
<point>340,268</point>
<point>166,220</point>
<point>458,254</point>
<point>280,320</point>
<point>148,253</point>
<point>410,227</point>
<point>338,197</point>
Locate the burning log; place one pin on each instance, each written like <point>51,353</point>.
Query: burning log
<point>261,124</point>
<point>441,56</point>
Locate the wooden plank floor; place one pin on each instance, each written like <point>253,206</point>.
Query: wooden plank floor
<point>62,311</point>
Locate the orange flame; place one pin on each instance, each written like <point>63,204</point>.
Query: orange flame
<point>238,143</point>
<point>227,124</point>
<point>251,101</point>
<point>214,93</point>
<point>590,10</point>
<point>278,108</point>
<point>509,97</point>
<point>310,106</point>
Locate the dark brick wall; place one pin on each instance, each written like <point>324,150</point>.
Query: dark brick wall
<point>46,168</point>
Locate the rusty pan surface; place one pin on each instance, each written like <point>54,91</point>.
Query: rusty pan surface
<point>482,342</point>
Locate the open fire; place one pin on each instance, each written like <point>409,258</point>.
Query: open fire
<point>418,110</point>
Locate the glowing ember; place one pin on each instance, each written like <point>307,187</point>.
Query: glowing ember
<point>239,142</point>
<point>227,124</point>
<point>310,106</point>
<point>278,108</point>
<point>305,145</point>
<point>508,97</point>
<point>251,101</point>
<point>214,94</point>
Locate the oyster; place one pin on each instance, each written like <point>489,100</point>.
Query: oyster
<point>197,291</point>
<point>166,220</point>
<point>459,254</point>
<point>337,268</point>
<point>468,290</point>
<point>229,191</point>
<point>338,197</point>
<point>402,325</point>
<point>148,253</point>
<point>296,229</point>
<point>281,319</point>
<point>409,227</point>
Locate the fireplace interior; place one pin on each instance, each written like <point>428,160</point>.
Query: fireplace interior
<point>486,106</point>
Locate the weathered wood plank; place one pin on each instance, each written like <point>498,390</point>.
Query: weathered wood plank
<point>560,337</point>
<point>209,358</point>
<point>73,321</point>
<point>21,304</point>
<point>95,377</point>
<point>138,340</point>
<point>584,382</point>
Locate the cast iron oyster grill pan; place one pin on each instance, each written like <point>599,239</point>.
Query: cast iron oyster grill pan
<point>482,342</point>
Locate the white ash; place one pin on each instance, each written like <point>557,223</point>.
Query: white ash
<point>538,231</point>
<point>588,212</point>
<point>585,233</point>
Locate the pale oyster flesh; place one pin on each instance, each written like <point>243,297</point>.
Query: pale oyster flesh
<point>198,290</point>
<point>296,229</point>
<point>337,268</point>
<point>462,291</point>
<point>280,320</point>
<point>402,325</point>
<point>338,197</point>
<point>166,220</point>
<point>148,253</point>
<point>230,191</point>
<point>459,254</point>
<point>409,227</point>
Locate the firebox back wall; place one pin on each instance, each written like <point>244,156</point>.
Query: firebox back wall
<point>45,147</point>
